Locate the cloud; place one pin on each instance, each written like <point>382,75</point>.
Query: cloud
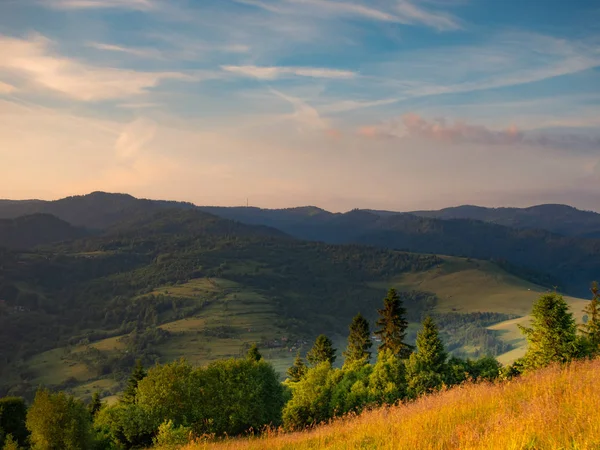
<point>272,73</point>
<point>306,116</point>
<point>397,11</point>
<point>139,52</point>
<point>6,88</point>
<point>138,105</point>
<point>133,138</point>
<point>412,125</point>
<point>140,5</point>
<point>33,58</point>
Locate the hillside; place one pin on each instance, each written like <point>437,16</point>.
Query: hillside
<point>27,232</point>
<point>95,211</point>
<point>560,219</point>
<point>202,286</point>
<point>546,410</point>
<point>529,240</point>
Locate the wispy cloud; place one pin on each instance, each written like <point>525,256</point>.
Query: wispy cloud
<point>139,52</point>
<point>141,5</point>
<point>398,11</point>
<point>34,59</point>
<point>272,73</point>
<point>412,125</point>
<point>6,88</point>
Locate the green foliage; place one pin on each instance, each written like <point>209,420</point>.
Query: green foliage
<point>170,436</point>
<point>297,370</point>
<point>125,425</point>
<point>322,351</point>
<point>95,405</point>
<point>552,336</point>
<point>311,397</point>
<point>227,397</point>
<point>387,383</point>
<point>10,443</point>
<point>137,375</point>
<point>350,389</point>
<point>426,369</point>
<point>13,414</point>
<point>359,341</point>
<point>254,354</point>
<point>58,422</point>
<point>591,327</point>
<point>459,370</point>
<point>393,325</point>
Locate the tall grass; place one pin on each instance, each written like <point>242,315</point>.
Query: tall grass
<point>555,408</point>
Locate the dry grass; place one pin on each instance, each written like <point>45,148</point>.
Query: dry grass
<point>552,409</point>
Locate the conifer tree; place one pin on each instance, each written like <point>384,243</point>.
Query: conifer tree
<point>591,328</point>
<point>392,325</point>
<point>322,351</point>
<point>254,354</point>
<point>297,371</point>
<point>359,341</point>
<point>138,374</point>
<point>552,336</point>
<point>426,369</point>
<point>95,405</point>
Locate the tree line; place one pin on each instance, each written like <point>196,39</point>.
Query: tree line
<point>170,404</point>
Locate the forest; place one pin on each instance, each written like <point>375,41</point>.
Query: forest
<point>169,405</point>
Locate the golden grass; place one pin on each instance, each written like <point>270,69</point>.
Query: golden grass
<point>552,409</point>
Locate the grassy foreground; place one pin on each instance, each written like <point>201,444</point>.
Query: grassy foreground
<point>554,408</point>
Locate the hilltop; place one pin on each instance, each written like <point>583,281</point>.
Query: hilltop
<point>545,410</point>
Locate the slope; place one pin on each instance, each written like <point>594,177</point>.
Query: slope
<point>560,219</point>
<point>30,231</point>
<point>546,410</point>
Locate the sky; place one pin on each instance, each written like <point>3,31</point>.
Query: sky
<point>383,104</point>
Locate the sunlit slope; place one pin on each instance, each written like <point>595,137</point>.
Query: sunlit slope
<point>547,410</point>
<point>466,285</point>
<point>241,315</point>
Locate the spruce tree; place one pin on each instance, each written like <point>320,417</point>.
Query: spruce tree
<point>254,354</point>
<point>95,405</point>
<point>392,325</point>
<point>552,336</point>
<point>322,351</point>
<point>138,374</point>
<point>359,341</point>
<point>591,328</point>
<point>426,370</point>
<point>297,371</point>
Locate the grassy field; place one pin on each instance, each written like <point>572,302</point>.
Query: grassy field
<point>551,409</point>
<point>465,285</point>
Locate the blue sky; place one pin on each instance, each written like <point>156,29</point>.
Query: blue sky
<point>397,104</point>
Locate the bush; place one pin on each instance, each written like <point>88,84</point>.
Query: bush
<point>170,436</point>
<point>58,421</point>
<point>13,414</point>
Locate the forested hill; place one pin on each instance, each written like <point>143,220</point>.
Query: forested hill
<point>177,264</point>
<point>97,210</point>
<point>560,219</point>
<point>533,240</point>
<point>38,229</point>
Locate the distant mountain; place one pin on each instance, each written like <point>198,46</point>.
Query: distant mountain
<point>38,229</point>
<point>95,211</point>
<point>561,219</point>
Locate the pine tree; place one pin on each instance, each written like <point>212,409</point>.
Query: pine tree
<point>359,341</point>
<point>552,336</point>
<point>297,371</point>
<point>591,329</point>
<point>393,325</point>
<point>322,351</point>
<point>95,405</point>
<point>426,369</point>
<point>254,354</point>
<point>138,374</point>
